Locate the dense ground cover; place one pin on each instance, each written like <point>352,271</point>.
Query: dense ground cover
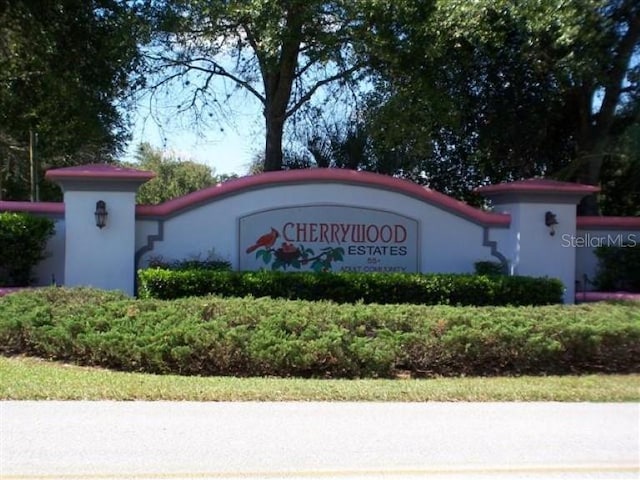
<point>257,337</point>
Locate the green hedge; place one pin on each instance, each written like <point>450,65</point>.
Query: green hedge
<point>211,262</point>
<point>489,268</point>
<point>618,268</point>
<point>256,337</point>
<point>23,238</point>
<point>430,289</point>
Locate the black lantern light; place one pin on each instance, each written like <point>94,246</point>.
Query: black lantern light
<point>550,221</point>
<point>101,214</point>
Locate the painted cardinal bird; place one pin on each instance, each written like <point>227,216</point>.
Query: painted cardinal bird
<point>267,240</point>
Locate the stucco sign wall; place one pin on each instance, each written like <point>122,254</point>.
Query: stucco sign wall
<point>328,238</point>
<point>347,221</point>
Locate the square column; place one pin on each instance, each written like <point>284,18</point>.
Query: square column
<point>543,222</point>
<point>100,256</point>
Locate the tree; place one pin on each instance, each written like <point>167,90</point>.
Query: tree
<point>617,83</point>
<point>501,90</point>
<point>281,52</point>
<point>66,69</point>
<point>620,177</point>
<point>174,177</point>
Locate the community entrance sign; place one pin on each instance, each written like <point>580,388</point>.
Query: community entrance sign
<point>329,238</point>
<point>333,220</point>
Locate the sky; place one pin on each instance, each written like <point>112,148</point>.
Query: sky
<point>227,146</point>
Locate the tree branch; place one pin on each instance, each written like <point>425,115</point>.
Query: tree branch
<point>303,69</point>
<point>215,69</point>
<point>307,96</point>
<point>253,43</point>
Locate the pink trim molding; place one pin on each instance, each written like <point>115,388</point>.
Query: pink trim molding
<point>538,185</point>
<point>604,296</point>
<point>606,223</point>
<point>325,175</point>
<point>50,208</point>
<point>98,172</point>
<point>7,290</point>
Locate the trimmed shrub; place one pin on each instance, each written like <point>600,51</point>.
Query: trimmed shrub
<point>212,262</point>
<point>618,268</point>
<point>489,268</point>
<point>383,288</point>
<point>257,337</point>
<point>23,238</point>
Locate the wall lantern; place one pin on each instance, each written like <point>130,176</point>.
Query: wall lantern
<point>550,221</point>
<point>101,214</point>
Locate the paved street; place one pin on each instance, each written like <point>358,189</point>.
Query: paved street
<point>165,440</point>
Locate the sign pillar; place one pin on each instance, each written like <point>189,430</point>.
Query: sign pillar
<point>543,217</point>
<point>100,224</point>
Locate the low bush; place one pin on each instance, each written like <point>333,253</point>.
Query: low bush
<point>212,262</point>
<point>383,288</point>
<point>489,268</point>
<point>257,337</point>
<point>23,238</point>
<point>618,268</point>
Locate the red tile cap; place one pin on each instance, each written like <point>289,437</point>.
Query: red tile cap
<point>101,171</point>
<point>537,186</point>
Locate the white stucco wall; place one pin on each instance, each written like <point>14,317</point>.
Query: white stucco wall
<point>450,237</point>
<point>108,250</point>
<point>532,251</point>
<point>52,267</point>
<point>449,243</point>
<point>146,228</point>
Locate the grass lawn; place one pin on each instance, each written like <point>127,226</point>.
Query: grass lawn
<point>23,378</point>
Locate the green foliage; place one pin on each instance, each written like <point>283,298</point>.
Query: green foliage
<point>489,268</point>
<point>618,268</point>
<point>430,289</point>
<point>258,337</point>
<point>621,176</point>
<point>66,70</point>
<point>212,262</point>
<point>174,177</point>
<point>496,90</point>
<point>289,256</point>
<point>23,238</point>
<point>280,53</point>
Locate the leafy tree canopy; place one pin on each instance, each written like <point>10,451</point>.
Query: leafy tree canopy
<point>283,53</point>
<point>495,90</point>
<point>174,177</point>
<point>621,176</point>
<point>65,69</point>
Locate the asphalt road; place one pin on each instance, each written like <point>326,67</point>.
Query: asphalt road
<point>166,440</point>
